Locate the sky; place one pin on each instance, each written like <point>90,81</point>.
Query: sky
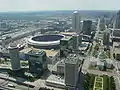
<point>37,5</point>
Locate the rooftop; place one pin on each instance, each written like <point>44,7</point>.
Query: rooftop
<point>100,63</point>
<point>109,61</point>
<point>51,52</point>
<point>56,79</point>
<point>67,38</point>
<point>68,33</point>
<point>26,50</point>
<point>36,52</point>
<point>72,59</point>
<point>61,63</point>
<point>75,12</point>
<point>117,50</point>
<point>116,44</point>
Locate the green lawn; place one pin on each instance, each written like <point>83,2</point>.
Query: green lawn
<point>90,79</point>
<point>108,83</point>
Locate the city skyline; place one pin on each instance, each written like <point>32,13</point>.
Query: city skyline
<point>40,5</point>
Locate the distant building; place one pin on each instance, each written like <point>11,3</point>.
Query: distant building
<point>106,38</point>
<point>76,21</point>
<point>117,21</point>
<point>84,46</point>
<point>3,25</point>
<point>100,65</point>
<point>87,27</point>
<point>101,24</point>
<point>77,40</point>
<point>109,63</point>
<point>116,35</point>
<point>93,62</point>
<point>69,43</point>
<point>66,43</point>
<point>116,46</point>
<point>37,61</point>
<point>14,56</point>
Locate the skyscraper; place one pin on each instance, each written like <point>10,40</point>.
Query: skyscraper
<point>76,21</point>
<point>37,61</point>
<point>14,56</point>
<point>117,21</point>
<point>71,70</point>
<point>87,27</point>
<point>101,23</point>
<point>106,38</point>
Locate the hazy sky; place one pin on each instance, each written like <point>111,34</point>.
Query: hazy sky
<point>31,5</point>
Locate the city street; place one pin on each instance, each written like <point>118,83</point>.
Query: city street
<point>115,73</point>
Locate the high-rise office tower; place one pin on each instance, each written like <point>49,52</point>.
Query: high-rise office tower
<point>14,56</point>
<point>87,27</point>
<point>76,22</point>
<point>106,38</point>
<point>101,23</point>
<point>71,71</point>
<point>117,21</point>
<point>37,61</point>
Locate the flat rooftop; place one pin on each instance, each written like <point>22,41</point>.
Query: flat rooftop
<point>67,38</point>
<point>100,63</point>
<point>56,79</point>
<point>51,52</point>
<point>26,50</point>
<point>72,59</point>
<point>68,33</point>
<point>48,52</point>
<point>36,52</point>
<point>59,63</point>
<point>116,44</point>
<point>117,50</point>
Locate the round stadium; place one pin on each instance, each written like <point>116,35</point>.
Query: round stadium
<point>45,41</point>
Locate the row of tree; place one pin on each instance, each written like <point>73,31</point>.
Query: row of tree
<point>89,81</point>
<point>108,83</point>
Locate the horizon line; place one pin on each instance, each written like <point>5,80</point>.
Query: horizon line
<point>55,10</point>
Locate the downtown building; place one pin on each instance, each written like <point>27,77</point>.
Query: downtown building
<point>76,26</point>
<point>116,29</point>
<point>116,36</point>
<point>87,27</point>
<point>71,73</point>
<point>106,38</point>
<point>37,60</point>
<point>14,56</point>
<point>65,74</point>
<point>101,23</point>
<point>117,21</point>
